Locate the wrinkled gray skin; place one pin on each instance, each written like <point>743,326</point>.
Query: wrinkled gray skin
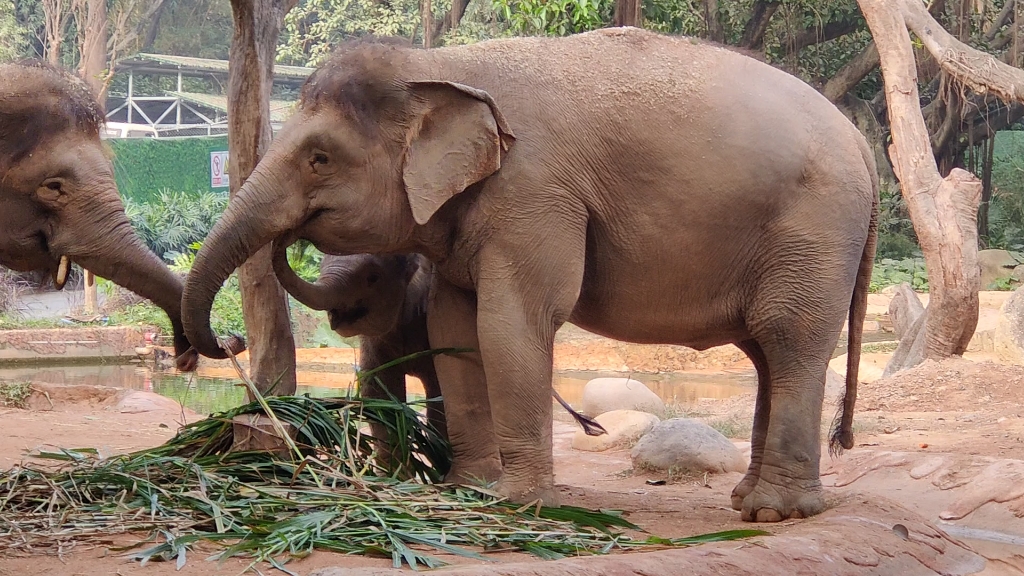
<point>646,188</point>
<point>383,300</point>
<point>58,197</point>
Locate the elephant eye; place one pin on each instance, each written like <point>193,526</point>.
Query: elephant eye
<point>319,158</point>
<point>372,279</point>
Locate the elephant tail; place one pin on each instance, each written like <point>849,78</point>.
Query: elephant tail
<point>842,427</point>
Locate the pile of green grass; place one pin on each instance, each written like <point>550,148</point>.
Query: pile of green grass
<point>329,495</point>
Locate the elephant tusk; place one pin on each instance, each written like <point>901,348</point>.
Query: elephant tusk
<point>61,276</point>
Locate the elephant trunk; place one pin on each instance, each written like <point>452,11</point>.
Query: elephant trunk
<point>255,216</point>
<point>319,295</point>
<point>120,256</point>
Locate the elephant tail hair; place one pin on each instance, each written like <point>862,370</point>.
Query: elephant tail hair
<point>842,426</point>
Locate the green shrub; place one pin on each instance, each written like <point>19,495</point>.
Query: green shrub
<point>890,272</point>
<point>172,221</point>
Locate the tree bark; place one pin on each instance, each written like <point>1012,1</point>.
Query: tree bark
<point>851,74</point>
<point>55,20</point>
<point>943,210</point>
<point>628,13</point>
<point>817,35</point>
<point>427,19</point>
<point>93,63</point>
<point>92,68</point>
<point>753,32</point>
<point>713,20</point>
<point>250,78</point>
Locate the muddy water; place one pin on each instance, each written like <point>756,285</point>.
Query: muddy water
<point>215,390</point>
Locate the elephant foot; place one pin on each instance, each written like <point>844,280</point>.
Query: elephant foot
<point>770,502</point>
<point>519,492</point>
<point>743,489</point>
<point>483,471</point>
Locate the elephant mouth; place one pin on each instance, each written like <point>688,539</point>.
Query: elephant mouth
<point>340,319</point>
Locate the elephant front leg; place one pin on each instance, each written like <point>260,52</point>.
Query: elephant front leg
<point>451,323</point>
<point>519,313</point>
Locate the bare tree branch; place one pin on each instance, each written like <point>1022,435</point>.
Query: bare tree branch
<point>977,70</point>
<point>818,35</point>
<point>861,65</point>
<point>1005,15</point>
<point>753,32</point>
<point>852,73</point>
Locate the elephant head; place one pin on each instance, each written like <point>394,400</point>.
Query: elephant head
<point>363,294</point>
<point>60,202</point>
<point>372,153</point>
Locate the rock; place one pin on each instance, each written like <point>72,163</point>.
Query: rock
<point>835,385</point>
<point>1018,274</point>
<point>138,401</point>
<point>687,445</point>
<point>995,264</point>
<point>602,395</point>
<point>908,318</point>
<point>904,309</point>
<point>1008,335</point>
<point>623,427</point>
<point>256,432</point>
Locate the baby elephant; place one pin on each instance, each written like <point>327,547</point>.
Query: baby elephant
<point>383,300</point>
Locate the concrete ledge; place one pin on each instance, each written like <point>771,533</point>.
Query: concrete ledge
<point>21,347</point>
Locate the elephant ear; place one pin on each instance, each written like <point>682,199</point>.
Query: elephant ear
<point>455,140</point>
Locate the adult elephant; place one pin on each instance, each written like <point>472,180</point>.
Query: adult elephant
<point>646,188</point>
<point>58,197</point>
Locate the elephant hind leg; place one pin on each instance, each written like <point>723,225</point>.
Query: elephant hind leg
<point>797,336</point>
<point>762,410</point>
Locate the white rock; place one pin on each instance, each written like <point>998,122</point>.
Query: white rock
<point>1008,335</point>
<point>602,395</point>
<point>687,445</point>
<point>623,427</point>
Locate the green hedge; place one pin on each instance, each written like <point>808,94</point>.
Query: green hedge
<point>145,166</point>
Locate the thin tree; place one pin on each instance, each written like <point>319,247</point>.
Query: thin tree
<point>257,24</point>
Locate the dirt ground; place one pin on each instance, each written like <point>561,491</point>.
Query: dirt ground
<point>939,449</point>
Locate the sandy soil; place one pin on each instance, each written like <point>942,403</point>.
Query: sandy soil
<point>937,447</point>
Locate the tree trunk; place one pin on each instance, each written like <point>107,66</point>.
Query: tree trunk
<point>713,20</point>
<point>91,68</point>
<point>427,19</point>
<point>55,18</point>
<point>628,13</point>
<point>250,78</point>
<point>761,16</point>
<point>988,149</point>
<point>94,47</point>
<point>943,210</point>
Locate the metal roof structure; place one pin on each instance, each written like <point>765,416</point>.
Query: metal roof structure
<point>181,113</point>
<point>166,64</point>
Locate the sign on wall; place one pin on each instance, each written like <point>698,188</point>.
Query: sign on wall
<point>219,169</point>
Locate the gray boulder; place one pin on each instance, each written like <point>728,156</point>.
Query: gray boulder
<point>995,264</point>
<point>602,395</point>
<point>687,446</point>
